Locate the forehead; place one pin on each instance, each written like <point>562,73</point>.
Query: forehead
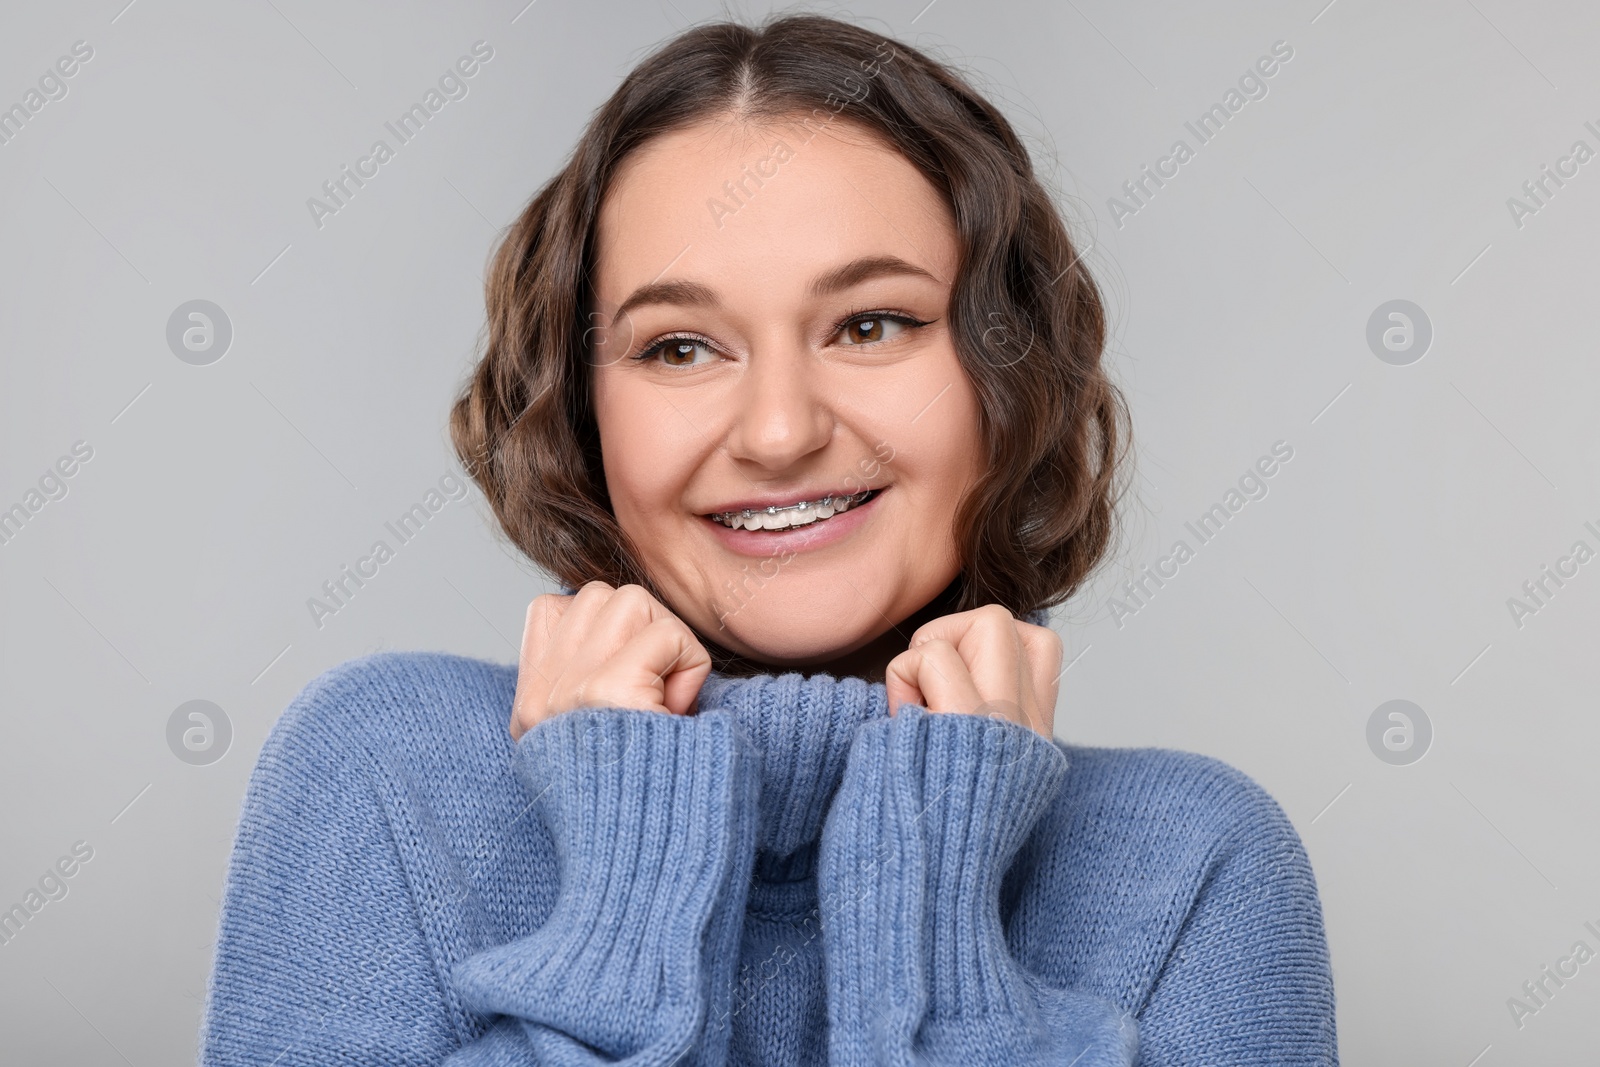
<point>765,201</point>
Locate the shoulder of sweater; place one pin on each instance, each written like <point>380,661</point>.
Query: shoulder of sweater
<point>1137,796</point>
<point>421,702</point>
<point>1132,843</point>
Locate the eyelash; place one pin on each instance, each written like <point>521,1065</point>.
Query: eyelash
<point>656,347</point>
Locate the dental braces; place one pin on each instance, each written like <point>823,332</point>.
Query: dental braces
<point>827,501</point>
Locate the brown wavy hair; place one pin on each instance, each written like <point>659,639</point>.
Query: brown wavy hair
<point>1026,317</point>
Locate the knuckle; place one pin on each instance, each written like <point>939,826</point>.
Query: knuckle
<point>669,627</point>
<point>635,597</point>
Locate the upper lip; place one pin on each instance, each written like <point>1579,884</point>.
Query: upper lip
<point>783,500</point>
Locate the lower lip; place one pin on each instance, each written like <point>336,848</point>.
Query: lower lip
<point>764,543</point>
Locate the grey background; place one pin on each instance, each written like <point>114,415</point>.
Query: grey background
<point>1378,567</point>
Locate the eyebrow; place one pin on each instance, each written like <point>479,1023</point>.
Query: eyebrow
<point>695,294</point>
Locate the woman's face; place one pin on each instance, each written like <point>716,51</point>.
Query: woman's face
<point>771,328</point>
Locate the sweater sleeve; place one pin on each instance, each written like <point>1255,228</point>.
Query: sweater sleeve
<point>324,955</point>
<point>653,820</point>
<point>1248,980</point>
<point>932,809</point>
<point>320,941</point>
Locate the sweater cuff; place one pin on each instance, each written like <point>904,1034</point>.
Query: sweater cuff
<point>985,783</point>
<point>932,810</point>
<point>652,818</point>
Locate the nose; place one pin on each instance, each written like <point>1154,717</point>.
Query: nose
<point>783,412</point>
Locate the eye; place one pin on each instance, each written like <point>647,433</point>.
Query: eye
<point>675,351</point>
<point>875,326</point>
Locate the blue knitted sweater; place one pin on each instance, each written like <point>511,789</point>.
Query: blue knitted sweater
<point>790,876</point>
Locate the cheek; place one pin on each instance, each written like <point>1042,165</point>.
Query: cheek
<point>623,442</point>
<point>955,464</point>
<point>646,465</point>
<point>952,441</point>
<point>937,455</point>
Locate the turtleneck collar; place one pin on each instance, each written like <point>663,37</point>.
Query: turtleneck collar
<point>803,726</point>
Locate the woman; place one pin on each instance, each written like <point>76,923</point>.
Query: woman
<point>793,380</point>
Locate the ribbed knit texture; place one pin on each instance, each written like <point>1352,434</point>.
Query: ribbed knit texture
<point>791,876</point>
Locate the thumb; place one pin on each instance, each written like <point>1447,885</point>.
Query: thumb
<point>901,680</point>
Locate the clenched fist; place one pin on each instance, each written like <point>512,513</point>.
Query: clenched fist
<point>608,648</point>
<point>983,661</point>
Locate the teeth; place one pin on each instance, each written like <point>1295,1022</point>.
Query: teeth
<point>793,515</point>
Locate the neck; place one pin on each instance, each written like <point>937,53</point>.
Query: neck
<point>868,661</point>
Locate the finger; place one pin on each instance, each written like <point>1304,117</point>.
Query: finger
<point>690,667</point>
<point>1043,653</point>
<point>571,632</point>
<point>533,682</point>
<point>1029,713</point>
<point>660,668</point>
<point>557,625</point>
<point>989,648</point>
<point>942,676</point>
<point>900,680</point>
<point>608,626</point>
<point>901,677</point>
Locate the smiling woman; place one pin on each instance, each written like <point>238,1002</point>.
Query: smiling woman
<point>822,816</point>
<point>783,350</point>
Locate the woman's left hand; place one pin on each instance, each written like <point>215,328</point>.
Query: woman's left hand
<point>983,662</point>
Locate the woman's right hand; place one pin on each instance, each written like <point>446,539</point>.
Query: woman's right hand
<point>605,647</point>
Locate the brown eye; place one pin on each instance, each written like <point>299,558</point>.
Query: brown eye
<point>866,330</point>
<point>675,351</point>
<point>679,354</point>
<point>872,329</point>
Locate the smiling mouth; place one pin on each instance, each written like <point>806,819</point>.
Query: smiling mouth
<point>792,516</point>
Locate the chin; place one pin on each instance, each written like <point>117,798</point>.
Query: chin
<point>788,641</point>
